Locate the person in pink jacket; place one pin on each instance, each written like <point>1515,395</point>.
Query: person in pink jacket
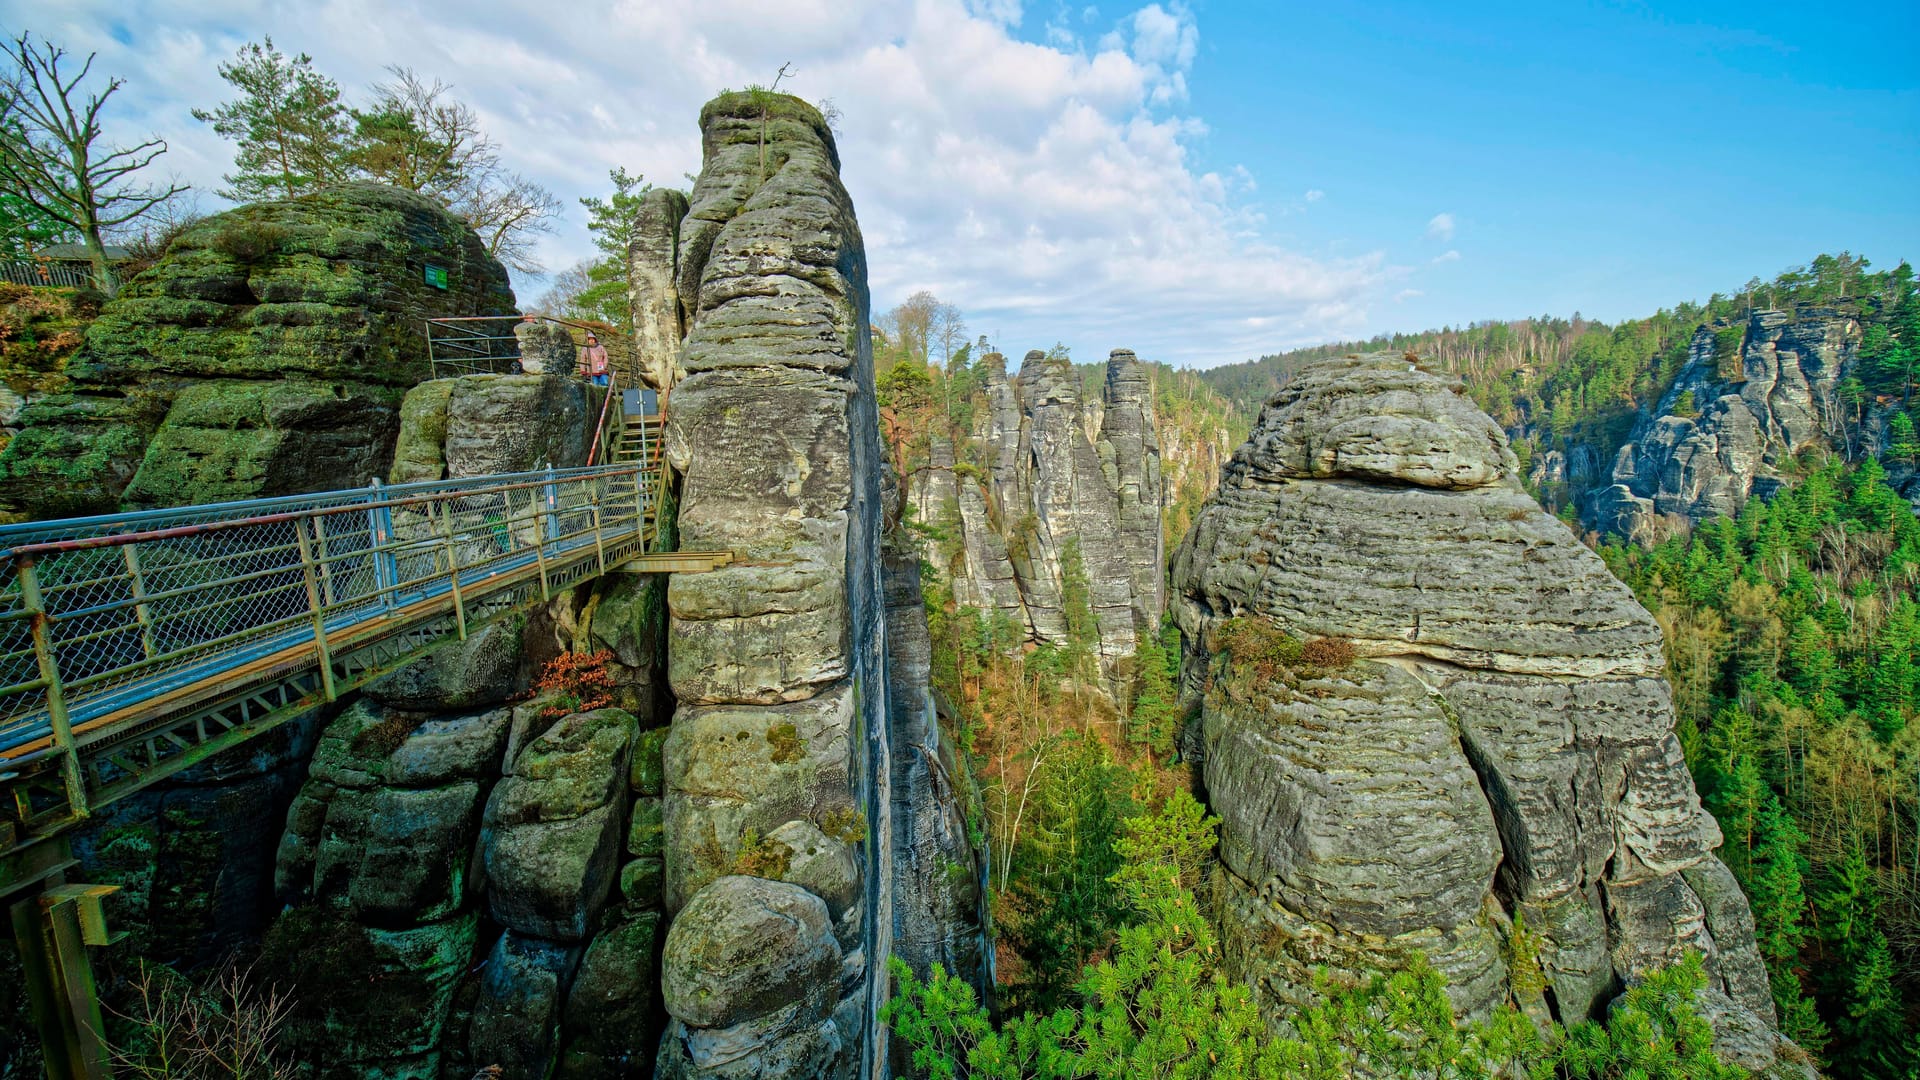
<point>593,361</point>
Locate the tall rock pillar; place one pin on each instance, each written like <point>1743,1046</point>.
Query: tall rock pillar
<point>1130,456</point>
<point>776,811</point>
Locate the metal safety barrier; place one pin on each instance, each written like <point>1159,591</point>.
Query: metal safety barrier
<point>487,345</point>
<point>133,644</point>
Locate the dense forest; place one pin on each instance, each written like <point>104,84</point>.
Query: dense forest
<point>1791,644</point>
<point>1553,382</point>
<point>1794,651</point>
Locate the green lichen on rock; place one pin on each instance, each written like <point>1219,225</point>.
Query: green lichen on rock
<point>421,453</point>
<point>361,994</point>
<point>39,331</point>
<point>305,313</point>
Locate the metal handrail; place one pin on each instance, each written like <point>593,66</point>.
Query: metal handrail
<point>477,352</point>
<point>99,616</point>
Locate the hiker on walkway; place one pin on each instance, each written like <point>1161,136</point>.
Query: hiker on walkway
<point>593,361</point>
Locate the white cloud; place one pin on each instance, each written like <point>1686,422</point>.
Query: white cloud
<point>1406,294</point>
<point>1049,190</point>
<point>1314,195</point>
<point>1440,227</point>
<point>1447,256</point>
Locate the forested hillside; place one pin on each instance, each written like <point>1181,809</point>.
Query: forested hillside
<point>1791,644</point>
<point>1557,384</point>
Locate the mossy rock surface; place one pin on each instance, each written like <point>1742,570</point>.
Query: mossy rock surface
<point>305,315</point>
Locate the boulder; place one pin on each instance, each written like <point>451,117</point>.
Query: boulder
<point>517,423</point>
<point>609,1020</point>
<point>554,827</point>
<point>263,354</point>
<point>744,948</point>
<point>739,770</point>
<point>516,1022</point>
<point>546,348</point>
<point>1502,745</point>
<point>420,451</point>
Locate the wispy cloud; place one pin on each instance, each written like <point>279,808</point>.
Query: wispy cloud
<point>1048,189</point>
<point>1447,256</point>
<point>1440,227</point>
<point>1406,294</point>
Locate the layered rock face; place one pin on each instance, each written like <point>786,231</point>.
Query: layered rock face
<point>473,878</point>
<point>1073,489</point>
<point>1761,393</point>
<point>1502,749</point>
<point>264,354</point>
<point>778,832</point>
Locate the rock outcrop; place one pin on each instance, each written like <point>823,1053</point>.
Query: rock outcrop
<point>1070,492</point>
<point>264,354</point>
<point>1501,749</point>
<point>779,770</point>
<point>1748,399</point>
<point>471,877</point>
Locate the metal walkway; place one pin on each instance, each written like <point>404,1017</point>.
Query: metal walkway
<point>135,645</point>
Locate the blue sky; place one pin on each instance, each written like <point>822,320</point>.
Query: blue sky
<point>1610,158</point>
<point>1200,180</point>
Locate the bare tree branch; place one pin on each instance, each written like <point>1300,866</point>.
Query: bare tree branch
<point>48,153</point>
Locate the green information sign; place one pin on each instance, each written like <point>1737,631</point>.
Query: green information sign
<point>436,276</point>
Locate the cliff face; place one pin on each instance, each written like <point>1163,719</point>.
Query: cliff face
<point>793,703</point>
<point>471,873</point>
<point>264,354</point>
<point>1759,393</point>
<point>1503,746</point>
<point>1070,500</point>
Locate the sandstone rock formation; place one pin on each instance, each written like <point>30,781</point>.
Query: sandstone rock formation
<point>264,354</point>
<point>777,831</point>
<point>1502,749</point>
<point>490,865</point>
<point>1071,488</point>
<point>1761,393</point>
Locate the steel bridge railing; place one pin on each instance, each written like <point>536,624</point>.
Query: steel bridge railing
<point>104,619</point>
<point>487,345</point>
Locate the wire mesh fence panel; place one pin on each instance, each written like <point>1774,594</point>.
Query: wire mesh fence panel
<point>127,607</point>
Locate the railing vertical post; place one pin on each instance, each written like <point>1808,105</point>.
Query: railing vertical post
<point>386,567</point>
<point>640,504</point>
<point>325,560</point>
<point>550,494</point>
<point>599,539</point>
<point>315,609</point>
<point>140,610</point>
<point>36,608</point>
<point>453,567</point>
<point>540,542</point>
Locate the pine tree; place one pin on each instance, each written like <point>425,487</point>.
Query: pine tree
<point>1872,1041</point>
<point>1903,444</point>
<point>289,123</point>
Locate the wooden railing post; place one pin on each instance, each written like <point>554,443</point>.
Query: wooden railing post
<point>36,608</point>
<point>315,609</point>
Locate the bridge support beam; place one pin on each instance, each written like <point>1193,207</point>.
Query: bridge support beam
<point>52,928</point>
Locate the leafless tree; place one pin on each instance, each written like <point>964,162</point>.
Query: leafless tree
<point>224,1030</point>
<point>49,127</point>
<point>567,286</point>
<point>417,136</point>
<point>508,211</point>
